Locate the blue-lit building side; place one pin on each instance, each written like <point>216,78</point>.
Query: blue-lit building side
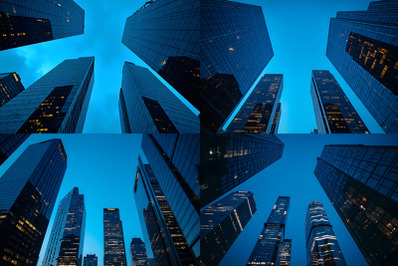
<point>10,86</point>
<point>90,260</point>
<point>138,254</point>
<point>9,143</point>
<point>114,244</point>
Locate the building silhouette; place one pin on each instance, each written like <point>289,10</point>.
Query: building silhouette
<point>10,86</point>
<point>90,260</point>
<point>114,245</point>
<point>138,252</point>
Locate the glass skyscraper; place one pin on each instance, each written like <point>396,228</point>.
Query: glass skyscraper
<point>56,103</point>
<point>361,182</point>
<point>28,191</point>
<point>267,249</point>
<point>65,245</point>
<point>229,160</point>
<point>148,106</point>
<point>260,112</point>
<point>321,243</point>
<point>10,86</point>
<point>90,260</point>
<point>114,245</point>
<point>362,45</point>
<point>9,143</point>
<point>235,49</point>
<point>138,253</point>
<point>284,253</point>
<point>34,21</point>
<point>222,222</point>
<point>333,111</point>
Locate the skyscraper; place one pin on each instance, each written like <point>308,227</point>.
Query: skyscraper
<point>222,222</point>
<point>65,245</point>
<point>138,253</point>
<point>10,86</point>
<point>260,112</point>
<point>229,160</point>
<point>9,143</point>
<point>362,45</point>
<point>57,102</point>
<point>148,106</point>
<point>114,245</point>
<point>28,191</point>
<point>361,182</point>
<point>284,253</point>
<point>321,243</point>
<point>235,49</point>
<point>90,260</point>
<point>277,119</point>
<point>34,21</point>
<point>165,35</point>
<point>333,111</point>
<point>266,251</point>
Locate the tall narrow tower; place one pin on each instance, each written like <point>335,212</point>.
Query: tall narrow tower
<point>114,244</point>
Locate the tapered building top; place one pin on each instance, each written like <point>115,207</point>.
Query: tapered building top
<point>10,86</point>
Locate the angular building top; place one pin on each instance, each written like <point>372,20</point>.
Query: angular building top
<point>9,143</point>
<point>138,252</point>
<point>34,21</point>
<point>362,45</point>
<point>333,111</point>
<point>57,102</point>
<point>114,244</point>
<point>10,86</point>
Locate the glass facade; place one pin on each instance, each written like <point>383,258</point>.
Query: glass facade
<point>321,243</point>
<point>284,253</point>
<point>277,119</point>
<point>266,251</point>
<point>90,260</point>
<point>56,103</point>
<point>235,49</point>
<point>28,191</point>
<point>361,182</point>
<point>362,45</point>
<point>229,160</point>
<point>138,252</point>
<point>10,86</point>
<point>114,245</point>
<point>333,111</point>
<point>222,222</point>
<point>34,21</point>
<point>148,106</point>
<point>9,143</point>
<point>260,111</point>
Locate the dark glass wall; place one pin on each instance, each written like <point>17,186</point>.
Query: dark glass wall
<point>138,253</point>
<point>10,86</point>
<point>90,260</point>
<point>9,143</point>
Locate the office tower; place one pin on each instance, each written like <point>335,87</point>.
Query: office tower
<point>235,49</point>
<point>165,35</point>
<point>56,103</point>
<point>10,86</point>
<point>114,245</point>
<point>28,191</point>
<point>161,230</point>
<point>266,251</point>
<point>9,143</point>
<point>362,45</point>
<point>260,112</point>
<point>34,21</point>
<point>321,243</point>
<point>147,106</point>
<point>222,222</point>
<point>361,182</point>
<point>138,252</point>
<point>333,111</point>
<point>90,260</point>
<point>277,119</point>
<point>229,160</point>
<point>65,245</point>
<point>284,253</point>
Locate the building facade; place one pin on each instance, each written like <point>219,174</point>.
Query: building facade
<point>362,45</point>
<point>56,103</point>
<point>9,143</point>
<point>222,222</point>
<point>361,182</point>
<point>114,244</point>
<point>138,252</point>
<point>284,253</point>
<point>321,243</point>
<point>333,111</point>
<point>28,191</point>
<point>148,106</point>
<point>10,86</point>
<point>266,250</point>
<point>90,260</point>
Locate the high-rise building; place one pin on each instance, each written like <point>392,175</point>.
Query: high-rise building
<point>222,222</point>
<point>333,111</point>
<point>266,251</point>
<point>10,86</point>
<point>229,160</point>
<point>56,103</point>
<point>34,21</point>
<point>114,245</point>
<point>90,260</point>
<point>148,106</point>
<point>284,253</point>
<point>28,192</point>
<point>9,143</point>
<point>65,245</point>
<point>321,243</point>
<point>138,253</point>
<point>235,49</point>
<point>260,112</point>
<point>165,35</point>
<point>361,182</point>
<point>362,45</point>
<point>277,119</point>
